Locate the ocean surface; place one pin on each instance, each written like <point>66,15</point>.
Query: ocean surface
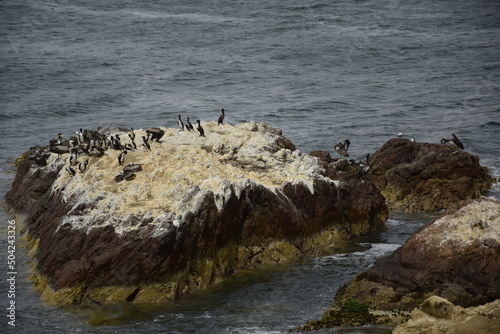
<point>320,70</point>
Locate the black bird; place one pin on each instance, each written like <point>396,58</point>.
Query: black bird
<point>155,133</point>
<point>70,171</point>
<point>39,157</point>
<point>145,143</point>
<point>57,140</point>
<point>80,137</point>
<point>118,140</point>
<point>200,129</point>
<point>121,158</point>
<point>129,176</point>
<point>131,145</point>
<point>82,166</point>
<point>73,158</point>
<point>105,143</point>
<point>347,143</point>
<point>189,126</point>
<point>181,125</point>
<point>341,149</point>
<point>131,134</point>
<point>59,150</point>
<point>132,167</point>
<point>454,141</point>
<point>221,118</point>
<point>120,177</point>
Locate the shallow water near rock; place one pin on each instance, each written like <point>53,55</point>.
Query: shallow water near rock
<point>322,71</point>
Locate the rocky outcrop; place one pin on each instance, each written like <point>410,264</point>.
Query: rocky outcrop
<point>437,315</point>
<point>427,177</point>
<point>200,209</point>
<point>456,257</point>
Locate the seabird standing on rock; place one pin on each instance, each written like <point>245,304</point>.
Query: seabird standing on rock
<point>121,158</point>
<point>189,126</point>
<point>80,137</point>
<point>401,135</point>
<point>57,140</point>
<point>341,149</point>
<point>454,141</point>
<point>145,143</point>
<point>73,158</point>
<point>82,166</point>
<point>70,171</point>
<point>131,134</point>
<point>181,125</point>
<point>59,150</point>
<point>221,117</point>
<point>200,129</point>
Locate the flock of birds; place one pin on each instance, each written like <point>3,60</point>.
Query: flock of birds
<point>94,144</point>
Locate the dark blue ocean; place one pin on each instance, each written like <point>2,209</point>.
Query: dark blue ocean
<point>322,71</point>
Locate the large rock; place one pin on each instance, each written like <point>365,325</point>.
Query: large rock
<point>427,177</point>
<point>200,209</point>
<point>456,257</point>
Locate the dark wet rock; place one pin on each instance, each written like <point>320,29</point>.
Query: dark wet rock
<point>84,251</point>
<point>456,257</point>
<point>427,177</point>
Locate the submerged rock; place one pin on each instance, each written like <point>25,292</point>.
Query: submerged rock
<point>427,177</point>
<point>199,209</point>
<point>456,257</point>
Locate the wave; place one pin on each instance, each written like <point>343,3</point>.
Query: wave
<point>361,259</point>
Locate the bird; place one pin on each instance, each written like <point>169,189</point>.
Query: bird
<point>131,145</point>
<point>342,149</point>
<point>221,118</point>
<point>82,166</point>
<point>73,158</point>
<point>80,137</point>
<point>400,134</point>
<point>120,177</point>
<point>59,150</point>
<point>181,125</point>
<point>155,133</point>
<point>39,157</point>
<point>200,129</point>
<point>145,143</point>
<point>96,152</point>
<point>70,171</point>
<point>57,140</point>
<point>189,126</point>
<point>454,141</point>
<point>347,143</point>
<point>121,158</point>
<point>132,167</point>
<point>129,176</point>
<point>131,134</point>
